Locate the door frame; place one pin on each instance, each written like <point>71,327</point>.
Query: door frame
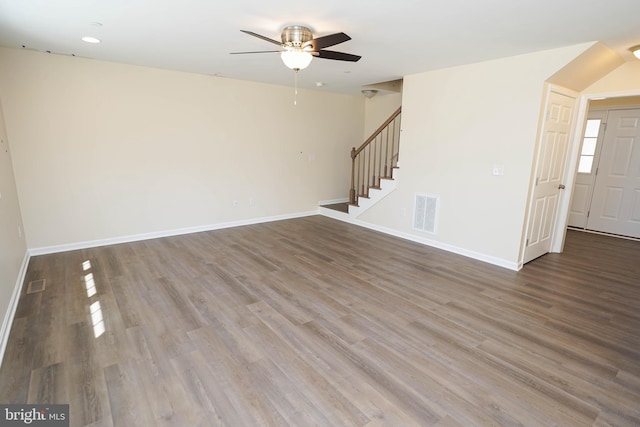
<point>564,204</point>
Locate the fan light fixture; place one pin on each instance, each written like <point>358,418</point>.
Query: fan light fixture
<point>299,47</point>
<point>636,51</point>
<point>296,59</point>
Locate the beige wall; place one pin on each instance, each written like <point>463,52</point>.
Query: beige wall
<point>624,78</point>
<point>629,101</point>
<point>595,62</point>
<point>457,124</point>
<point>13,247</point>
<point>104,150</point>
<point>377,110</point>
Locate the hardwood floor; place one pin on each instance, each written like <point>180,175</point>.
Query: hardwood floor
<point>317,322</point>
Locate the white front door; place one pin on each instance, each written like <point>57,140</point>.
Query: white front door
<point>550,168</point>
<point>589,156</point>
<point>615,207</point>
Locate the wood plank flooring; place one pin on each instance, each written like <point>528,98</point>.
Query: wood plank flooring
<point>313,321</point>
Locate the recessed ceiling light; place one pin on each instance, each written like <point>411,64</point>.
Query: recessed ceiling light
<point>90,40</point>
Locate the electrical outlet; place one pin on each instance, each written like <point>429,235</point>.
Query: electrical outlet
<point>235,203</point>
<point>252,202</point>
<point>19,231</point>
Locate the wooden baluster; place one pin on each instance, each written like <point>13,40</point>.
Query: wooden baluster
<point>379,160</point>
<point>375,155</point>
<point>362,160</point>
<point>399,130</point>
<point>386,155</point>
<point>393,150</point>
<point>360,174</point>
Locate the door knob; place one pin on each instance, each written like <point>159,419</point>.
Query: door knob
<point>561,187</point>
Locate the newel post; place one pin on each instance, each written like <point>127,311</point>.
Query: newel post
<point>352,190</point>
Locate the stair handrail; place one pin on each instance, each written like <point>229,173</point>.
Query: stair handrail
<point>356,152</point>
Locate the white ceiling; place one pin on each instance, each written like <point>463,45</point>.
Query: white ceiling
<point>395,38</point>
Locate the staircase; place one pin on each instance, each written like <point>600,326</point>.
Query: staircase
<point>373,166</point>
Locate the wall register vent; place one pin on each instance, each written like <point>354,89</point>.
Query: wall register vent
<point>36,286</point>
<point>425,212</point>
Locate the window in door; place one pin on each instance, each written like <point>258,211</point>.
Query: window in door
<point>588,152</point>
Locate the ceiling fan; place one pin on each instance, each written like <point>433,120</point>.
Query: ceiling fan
<point>298,47</point>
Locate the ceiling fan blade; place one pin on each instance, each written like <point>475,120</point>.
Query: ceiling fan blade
<point>327,41</point>
<point>257,51</point>
<point>340,56</point>
<point>251,33</point>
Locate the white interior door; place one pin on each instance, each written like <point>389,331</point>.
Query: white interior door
<point>550,168</point>
<point>615,206</point>
<point>590,148</point>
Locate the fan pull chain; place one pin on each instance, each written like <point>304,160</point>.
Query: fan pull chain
<point>295,86</point>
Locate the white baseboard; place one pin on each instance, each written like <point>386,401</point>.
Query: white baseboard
<point>5,330</point>
<point>166,233</point>
<point>427,242</point>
